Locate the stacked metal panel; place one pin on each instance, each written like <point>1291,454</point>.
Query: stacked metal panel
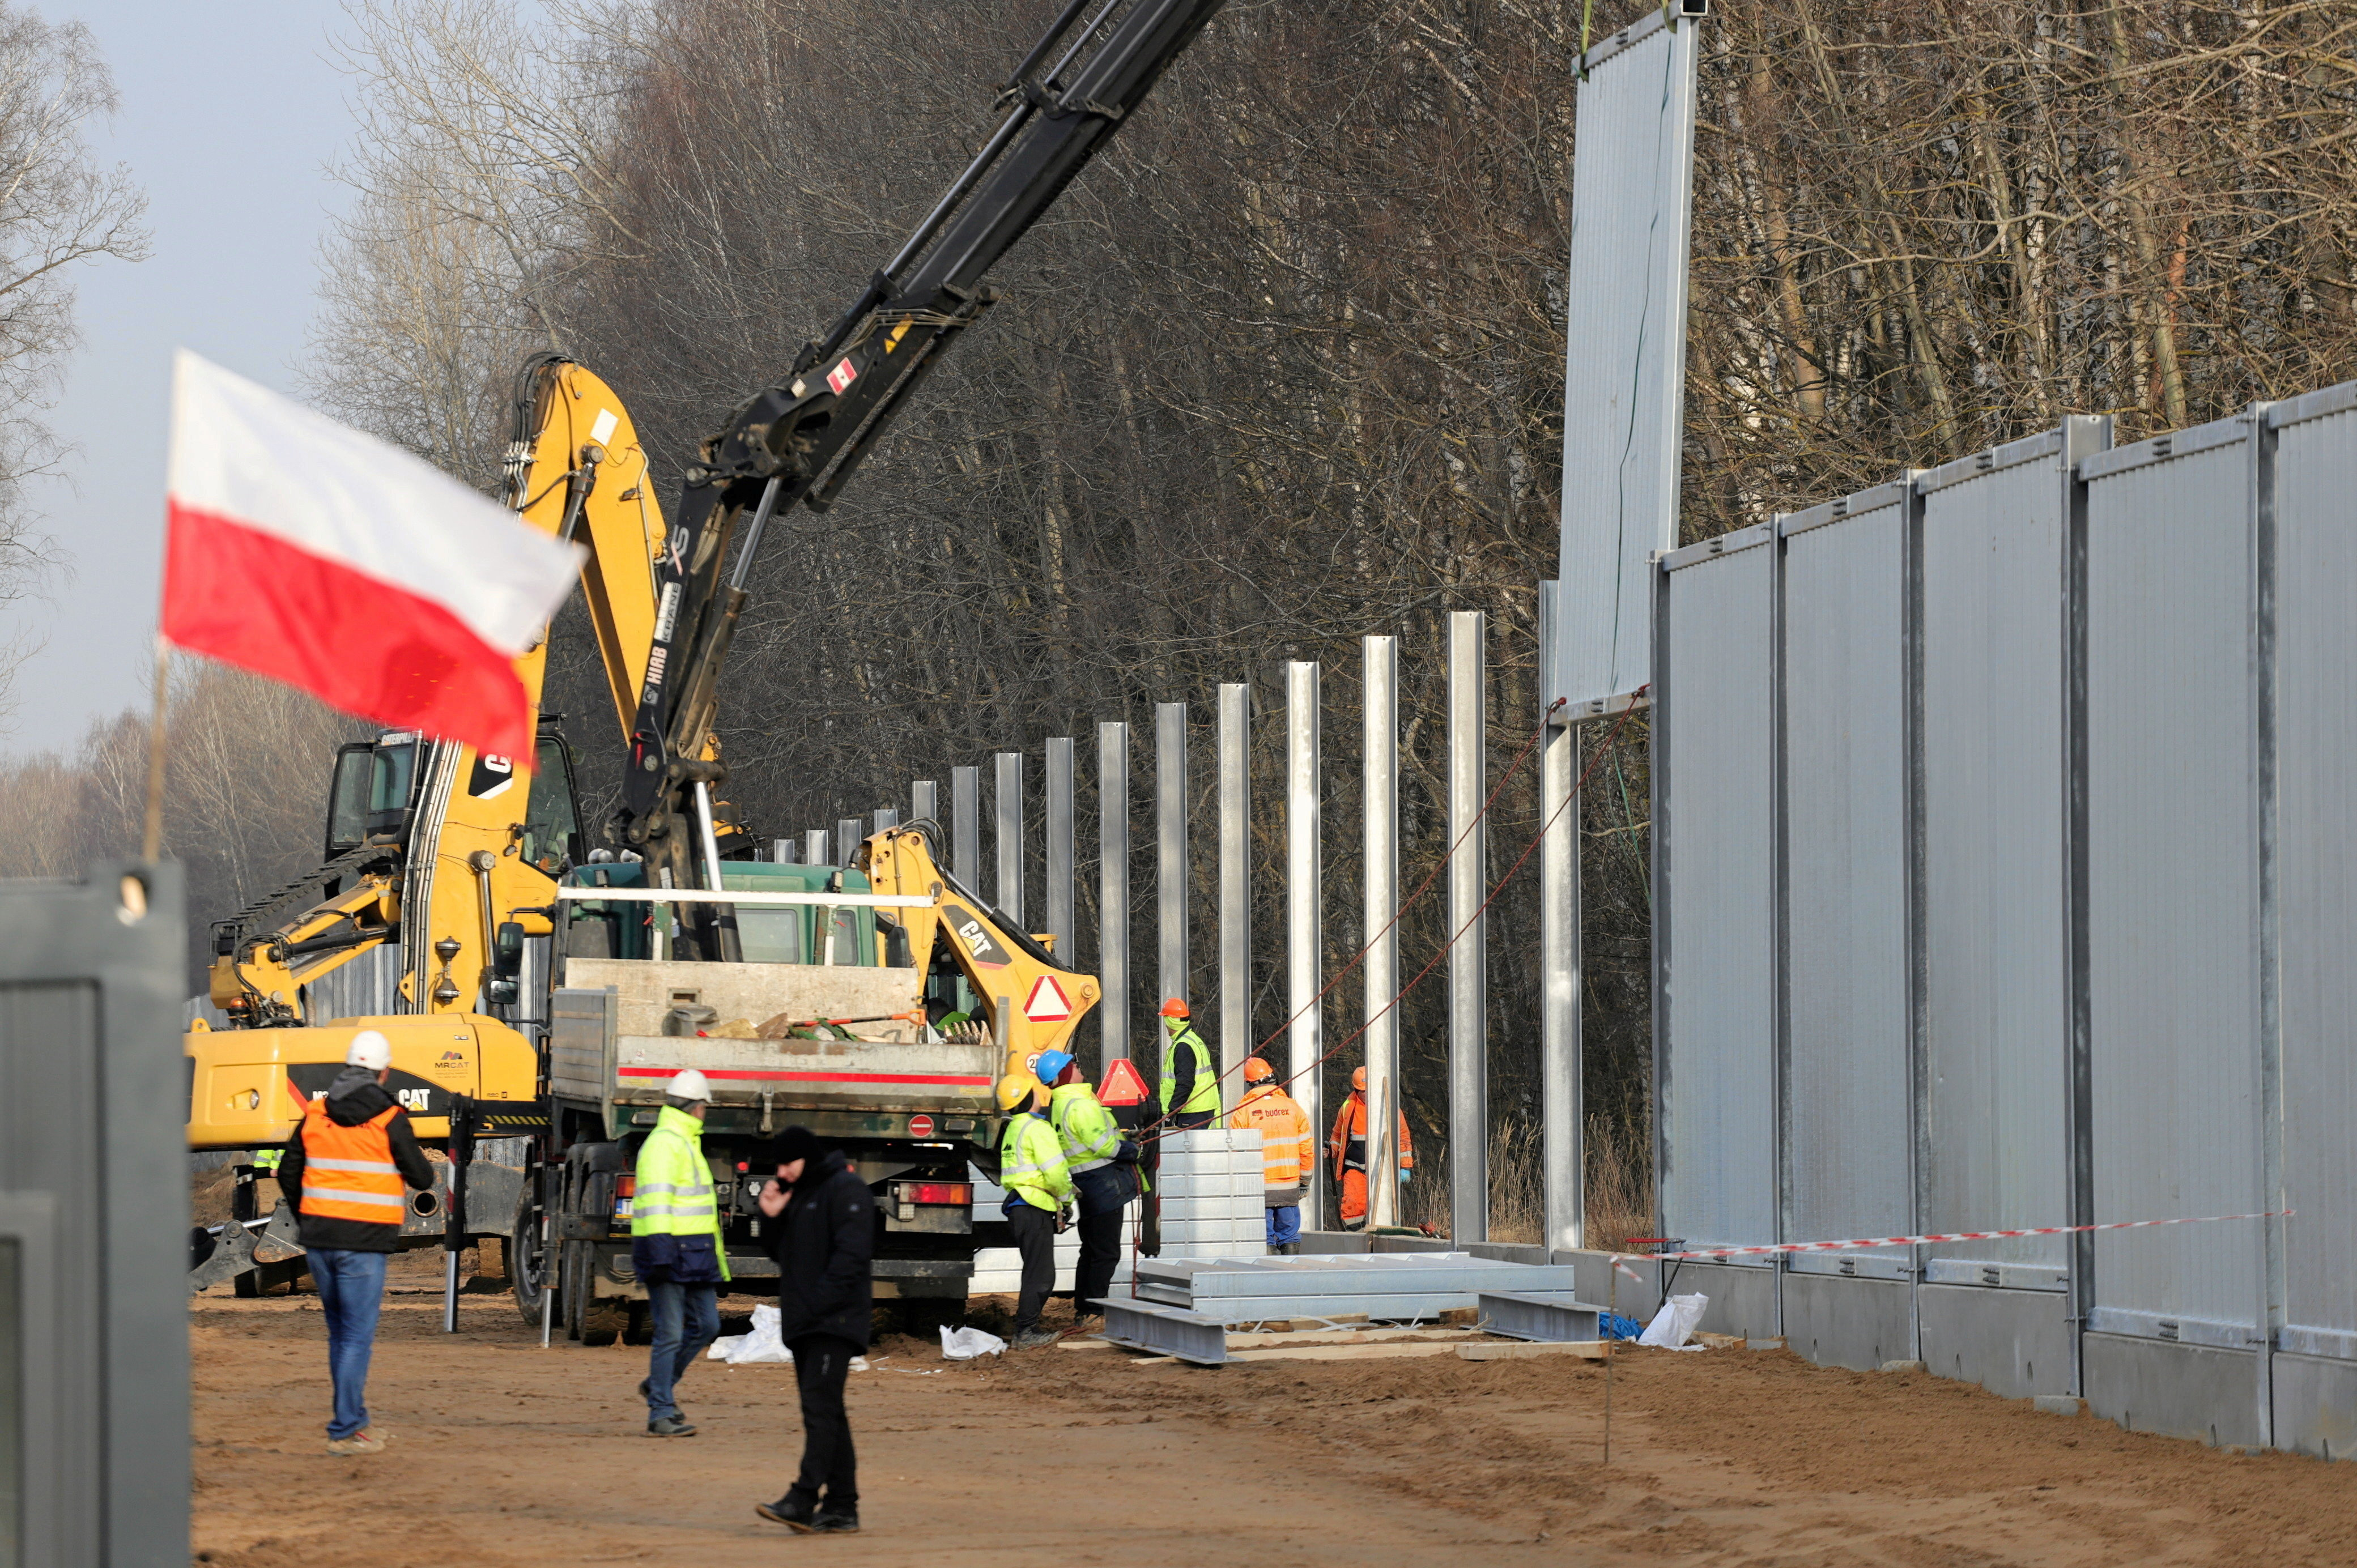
<point>1210,1189</point>
<point>1715,949</point>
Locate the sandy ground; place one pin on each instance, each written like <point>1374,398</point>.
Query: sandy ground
<point>504,1454</point>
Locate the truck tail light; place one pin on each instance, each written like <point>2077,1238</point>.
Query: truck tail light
<point>957,1192</point>
<point>625,1190</point>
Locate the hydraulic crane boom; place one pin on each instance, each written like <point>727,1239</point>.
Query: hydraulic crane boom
<point>802,440</point>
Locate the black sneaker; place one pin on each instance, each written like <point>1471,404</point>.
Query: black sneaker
<point>671,1426</point>
<point>832,1521</point>
<point>794,1513</point>
<point>646,1392</point>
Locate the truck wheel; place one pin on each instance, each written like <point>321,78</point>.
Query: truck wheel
<point>527,1268</point>
<point>603,1318</point>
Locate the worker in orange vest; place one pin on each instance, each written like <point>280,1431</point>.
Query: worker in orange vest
<point>1285,1149</point>
<point>1347,1147</point>
<point>343,1172</point>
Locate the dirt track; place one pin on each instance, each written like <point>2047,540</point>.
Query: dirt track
<point>504,1454</point>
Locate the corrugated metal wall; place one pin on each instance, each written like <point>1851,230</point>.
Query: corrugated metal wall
<point>1716,1059</point>
<point>2316,762</point>
<point>2172,882</point>
<point>1847,1121</point>
<point>1995,1003</point>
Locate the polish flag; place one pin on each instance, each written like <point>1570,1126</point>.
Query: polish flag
<point>304,551</point>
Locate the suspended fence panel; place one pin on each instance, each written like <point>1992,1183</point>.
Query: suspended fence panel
<point>1715,1056</point>
<point>1995,1010</point>
<point>1847,1124</point>
<point>2316,760</point>
<point>2173,882</point>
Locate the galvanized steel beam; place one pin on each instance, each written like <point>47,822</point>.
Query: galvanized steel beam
<point>1113,891</point>
<point>847,835</point>
<point>925,802</point>
<point>965,827</point>
<point>1562,1119</point>
<point>1170,849</point>
<point>1378,885</point>
<point>1550,1318</point>
<point>1060,920</point>
<point>818,847</point>
<point>1302,893</point>
<point>1468,1014</point>
<point>1008,818</point>
<point>1165,1330</point>
<point>1235,878</point>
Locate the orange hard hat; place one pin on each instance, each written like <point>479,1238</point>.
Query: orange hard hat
<point>1257,1070</point>
<point>1359,1077</point>
<point>1175,1008</point>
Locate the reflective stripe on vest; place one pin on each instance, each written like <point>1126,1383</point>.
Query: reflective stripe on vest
<point>1087,1130</point>
<point>348,1172</point>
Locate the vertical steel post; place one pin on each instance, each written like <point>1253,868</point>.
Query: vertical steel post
<point>1561,1111</point>
<point>1379,882</point>
<point>887,817</point>
<point>924,801</point>
<point>1008,895</point>
<point>1918,968</point>
<point>1170,849</point>
<point>785,852</point>
<point>1303,935</point>
<point>1060,846</point>
<point>965,827</point>
<point>1235,880</point>
<point>1113,891</point>
<point>2267,945</point>
<point>1468,1014</point>
<point>2083,436</point>
<point>846,839</point>
<point>818,847</point>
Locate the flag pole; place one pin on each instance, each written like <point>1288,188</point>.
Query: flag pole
<point>152,842</point>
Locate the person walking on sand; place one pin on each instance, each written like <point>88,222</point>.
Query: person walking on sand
<point>676,1248</point>
<point>819,1223</point>
<point>343,1173</point>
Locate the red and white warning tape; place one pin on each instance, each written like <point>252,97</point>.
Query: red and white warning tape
<point>1862,1243</point>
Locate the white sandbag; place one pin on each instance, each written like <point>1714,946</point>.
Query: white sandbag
<point>761,1346</point>
<point>966,1344</point>
<point>723,1348</point>
<point>1676,1323</point>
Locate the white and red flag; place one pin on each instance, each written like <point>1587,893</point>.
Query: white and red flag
<point>302,550</point>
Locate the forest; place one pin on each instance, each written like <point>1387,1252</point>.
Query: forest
<point>1282,370</point>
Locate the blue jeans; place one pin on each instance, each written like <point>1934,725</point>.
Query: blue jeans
<point>1283,1225</point>
<point>351,1288</point>
<point>687,1320</point>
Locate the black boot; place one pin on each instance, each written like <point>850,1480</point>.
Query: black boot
<point>792,1511</point>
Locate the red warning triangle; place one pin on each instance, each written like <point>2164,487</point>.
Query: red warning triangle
<point>1048,1003</point>
<point>1122,1086</point>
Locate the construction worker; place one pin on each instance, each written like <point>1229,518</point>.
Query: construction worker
<point>824,1240</point>
<point>1347,1147</point>
<point>1104,1175</point>
<point>676,1248</point>
<point>1287,1146</point>
<point>1038,1185</point>
<point>1191,1087</point>
<point>343,1173</point>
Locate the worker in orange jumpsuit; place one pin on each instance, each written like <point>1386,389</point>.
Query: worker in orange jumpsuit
<point>1347,1147</point>
<point>1286,1149</point>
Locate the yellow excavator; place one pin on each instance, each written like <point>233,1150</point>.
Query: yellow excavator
<point>548,989</point>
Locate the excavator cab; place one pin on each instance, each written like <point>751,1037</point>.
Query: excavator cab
<point>373,792</point>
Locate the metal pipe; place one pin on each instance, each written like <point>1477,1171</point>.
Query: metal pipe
<point>1380,891</point>
<point>1113,891</point>
<point>965,825</point>
<point>744,568</point>
<point>1562,1180</point>
<point>1059,855</point>
<point>1170,848</point>
<point>1468,1033</point>
<point>924,801</point>
<point>1302,893</point>
<point>1009,833</point>
<point>1235,879</point>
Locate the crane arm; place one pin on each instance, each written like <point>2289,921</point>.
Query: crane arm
<point>800,442</point>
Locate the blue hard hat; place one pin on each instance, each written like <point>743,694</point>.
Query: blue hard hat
<point>1051,1065</point>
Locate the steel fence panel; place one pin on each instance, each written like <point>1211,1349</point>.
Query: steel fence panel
<point>2316,756</point>
<point>1847,1125</point>
<point>2172,882</point>
<point>1716,1058</point>
<point>1632,182</point>
<point>1995,1127</point>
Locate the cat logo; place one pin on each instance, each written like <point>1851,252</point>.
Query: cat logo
<point>415,1100</point>
<point>977,940</point>
<point>491,776</point>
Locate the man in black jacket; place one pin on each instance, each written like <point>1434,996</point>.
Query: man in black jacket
<point>819,1223</point>
<point>355,1145</point>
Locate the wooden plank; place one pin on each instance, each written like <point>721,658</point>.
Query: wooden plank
<point>1585,1349</point>
<point>1083,1343</point>
<point>1346,1352</point>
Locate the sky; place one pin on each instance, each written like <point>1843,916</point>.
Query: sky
<point>230,116</point>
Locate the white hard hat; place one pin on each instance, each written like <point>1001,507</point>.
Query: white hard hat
<point>369,1049</point>
<point>689,1084</point>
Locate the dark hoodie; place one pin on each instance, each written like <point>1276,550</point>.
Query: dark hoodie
<point>354,1098</point>
<point>824,1244</point>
